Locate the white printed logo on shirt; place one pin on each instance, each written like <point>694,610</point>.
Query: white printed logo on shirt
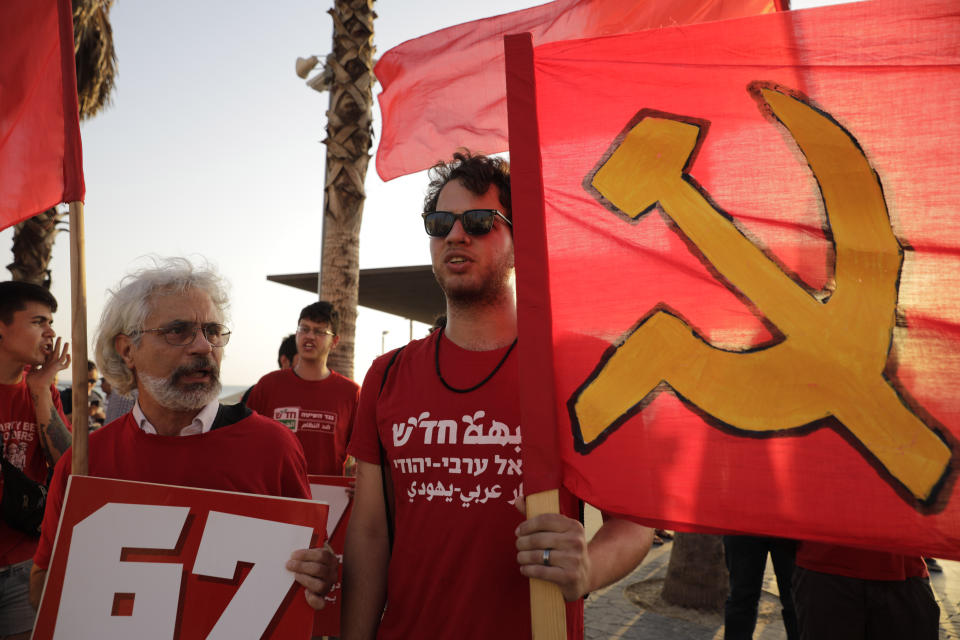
<point>297,419</point>
<point>287,416</point>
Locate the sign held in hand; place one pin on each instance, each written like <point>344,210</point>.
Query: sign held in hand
<point>138,560</point>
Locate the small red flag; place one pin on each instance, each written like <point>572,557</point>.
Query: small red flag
<point>41,161</point>
<point>745,272</point>
<point>445,89</point>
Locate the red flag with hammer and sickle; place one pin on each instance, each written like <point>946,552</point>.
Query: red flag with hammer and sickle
<point>40,153</point>
<point>743,293</point>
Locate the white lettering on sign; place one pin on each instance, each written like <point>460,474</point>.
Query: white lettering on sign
<point>96,574</point>
<point>229,539</point>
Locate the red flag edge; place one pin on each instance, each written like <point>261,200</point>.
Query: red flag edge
<point>541,468</point>
<point>74,188</point>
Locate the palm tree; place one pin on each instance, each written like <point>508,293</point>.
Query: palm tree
<point>96,70</point>
<point>697,575</point>
<point>349,72</point>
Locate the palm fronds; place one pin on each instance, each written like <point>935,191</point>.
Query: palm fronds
<point>96,57</point>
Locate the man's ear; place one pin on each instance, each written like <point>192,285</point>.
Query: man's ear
<point>333,343</point>
<point>124,346</point>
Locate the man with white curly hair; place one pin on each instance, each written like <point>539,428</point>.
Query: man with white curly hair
<point>162,333</point>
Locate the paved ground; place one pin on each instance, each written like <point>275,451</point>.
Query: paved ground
<point>610,615</point>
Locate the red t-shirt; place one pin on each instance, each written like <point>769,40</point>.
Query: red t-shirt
<point>254,455</point>
<point>320,412</point>
<point>852,562</point>
<point>21,446</point>
<point>454,459</point>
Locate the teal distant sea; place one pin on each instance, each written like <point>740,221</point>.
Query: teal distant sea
<point>227,391</point>
<point>232,389</point>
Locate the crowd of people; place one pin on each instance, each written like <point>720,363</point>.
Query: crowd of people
<point>438,545</point>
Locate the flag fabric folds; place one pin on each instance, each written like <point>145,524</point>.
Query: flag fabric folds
<point>40,153</point>
<point>445,89</point>
<point>747,271</point>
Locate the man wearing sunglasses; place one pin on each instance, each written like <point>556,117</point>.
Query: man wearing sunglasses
<point>162,333</point>
<point>311,400</point>
<point>436,531</point>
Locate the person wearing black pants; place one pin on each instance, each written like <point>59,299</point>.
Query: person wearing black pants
<point>746,558</point>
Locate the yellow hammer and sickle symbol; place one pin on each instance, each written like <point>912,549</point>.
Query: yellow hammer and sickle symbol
<point>832,358</point>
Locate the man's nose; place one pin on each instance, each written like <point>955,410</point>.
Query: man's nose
<point>457,234</point>
<point>200,343</point>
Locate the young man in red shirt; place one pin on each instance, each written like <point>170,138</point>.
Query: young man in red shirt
<point>32,427</point>
<point>162,333</point>
<point>442,419</point>
<point>317,404</point>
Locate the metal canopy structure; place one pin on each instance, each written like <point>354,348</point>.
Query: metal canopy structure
<point>410,292</point>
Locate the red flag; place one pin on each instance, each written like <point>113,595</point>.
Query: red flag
<point>745,272</point>
<point>40,155</point>
<point>446,90</point>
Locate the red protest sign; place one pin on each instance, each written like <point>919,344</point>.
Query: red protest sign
<point>332,490</point>
<point>138,560</point>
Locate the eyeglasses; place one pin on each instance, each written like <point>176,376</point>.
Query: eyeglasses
<point>91,381</point>
<point>180,334</point>
<point>305,331</point>
<point>475,222</point>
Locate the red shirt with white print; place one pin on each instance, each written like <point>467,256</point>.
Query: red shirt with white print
<point>22,448</point>
<point>454,459</point>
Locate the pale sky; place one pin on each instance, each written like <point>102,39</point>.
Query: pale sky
<point>211,149</point>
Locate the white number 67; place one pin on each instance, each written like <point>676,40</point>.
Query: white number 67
<point>95,573</point>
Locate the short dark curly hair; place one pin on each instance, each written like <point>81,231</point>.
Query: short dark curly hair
<point>288,349</point>
<point>475,172</point>
<point>15,294</point>
<point>320,312</point>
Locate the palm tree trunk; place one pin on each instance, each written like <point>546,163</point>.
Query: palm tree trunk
<point>32,246</point>
<point>349,136</point>
<point>697,576</point>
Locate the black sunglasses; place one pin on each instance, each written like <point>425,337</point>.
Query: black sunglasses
<point>475,222</point>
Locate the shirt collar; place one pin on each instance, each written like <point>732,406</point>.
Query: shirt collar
<point>202,422</point>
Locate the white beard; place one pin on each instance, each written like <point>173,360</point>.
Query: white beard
<point>169,396</point>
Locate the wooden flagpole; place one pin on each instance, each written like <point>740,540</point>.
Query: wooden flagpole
<point>78,297</point>
<point>548,614</point>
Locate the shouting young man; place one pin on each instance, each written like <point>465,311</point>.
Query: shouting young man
<point>32,425</point>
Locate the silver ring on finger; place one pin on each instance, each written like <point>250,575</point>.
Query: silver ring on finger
<point>546,557</point>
